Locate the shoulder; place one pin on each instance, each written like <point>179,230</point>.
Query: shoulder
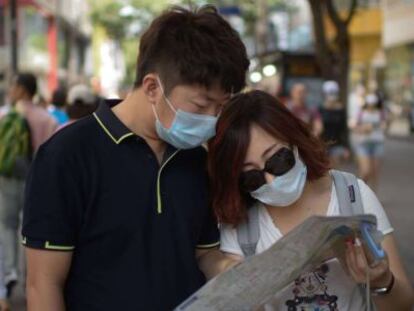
<point>73,138</point>
<point>229,241</point>
<point>197,155</point>
<point>372,205</point>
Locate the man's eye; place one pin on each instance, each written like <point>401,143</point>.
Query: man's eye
<point>200,106</point>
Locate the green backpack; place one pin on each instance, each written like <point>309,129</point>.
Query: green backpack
<point>15,145</point>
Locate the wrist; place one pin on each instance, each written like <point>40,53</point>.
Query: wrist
<point>382,281</point>
<point>383,289</point>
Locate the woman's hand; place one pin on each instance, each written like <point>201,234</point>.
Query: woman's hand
<point>4,306</point>
<point>359,261</point>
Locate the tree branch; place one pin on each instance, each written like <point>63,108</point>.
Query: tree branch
<point>333,14</point>
<point>352,11</point>
<point>323,52</point>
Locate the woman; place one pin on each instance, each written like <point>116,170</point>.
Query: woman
<point>264,156</point>
<point>369,144</point>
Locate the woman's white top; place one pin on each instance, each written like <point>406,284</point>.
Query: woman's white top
<point>328,284</point>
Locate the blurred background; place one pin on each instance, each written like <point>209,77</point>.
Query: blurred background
<point>365,46</point>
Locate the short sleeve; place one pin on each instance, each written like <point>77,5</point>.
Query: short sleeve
<point>53,201</point>
<point>228,240</point>
<point>209,237</point>
<point>373,206</point>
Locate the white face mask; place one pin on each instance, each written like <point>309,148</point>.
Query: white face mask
<point>286,189</point>
<point>188,130</point>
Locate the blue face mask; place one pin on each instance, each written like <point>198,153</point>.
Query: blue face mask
<point>188,130</point>
<point>286,189</point>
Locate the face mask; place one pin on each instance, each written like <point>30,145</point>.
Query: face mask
<point>188,130</point>
<point>286,189</point>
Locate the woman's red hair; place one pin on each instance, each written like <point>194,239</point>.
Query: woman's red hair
<point>227,151</point>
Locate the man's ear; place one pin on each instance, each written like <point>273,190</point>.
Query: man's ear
<point>151,88</point>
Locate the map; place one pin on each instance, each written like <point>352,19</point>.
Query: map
<point>252,283</point>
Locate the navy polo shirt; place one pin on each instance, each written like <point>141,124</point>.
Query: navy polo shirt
<point>133,225</point>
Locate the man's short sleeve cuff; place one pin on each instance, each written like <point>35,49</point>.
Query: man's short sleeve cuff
<point>47,245</point>
<point>208,246</point>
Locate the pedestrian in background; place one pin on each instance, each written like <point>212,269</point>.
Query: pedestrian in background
<point>334,124</point>
<point>3,291</point>
<point>82,102</point>
<point>57,108</point>
<point>369,140</point>
<point>22,130</point>
<point>297,105</point>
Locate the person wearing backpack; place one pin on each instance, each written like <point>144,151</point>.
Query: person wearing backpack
<point>23,128</point>
<point>269,174</point>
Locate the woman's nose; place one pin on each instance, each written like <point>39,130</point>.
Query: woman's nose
<point>269,177</point>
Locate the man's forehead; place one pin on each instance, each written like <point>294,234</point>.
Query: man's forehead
<point>213,93</point>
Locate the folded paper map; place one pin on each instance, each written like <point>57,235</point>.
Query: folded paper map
<point>249,285</point>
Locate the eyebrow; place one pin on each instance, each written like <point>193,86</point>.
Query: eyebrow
<point>268,150</point>
<point>265,153</point>
<point>212,99</point>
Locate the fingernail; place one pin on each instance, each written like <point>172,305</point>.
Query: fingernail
<point>358,242</point>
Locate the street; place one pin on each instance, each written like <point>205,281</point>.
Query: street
<point>396,194</point>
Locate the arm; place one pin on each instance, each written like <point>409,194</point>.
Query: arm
<point>401,296</point>
<point>52,216</point>
<point>46,276</point>
<point>317,124</point>
<point>212,262</point>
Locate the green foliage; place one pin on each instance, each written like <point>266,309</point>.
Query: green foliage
<point>130,48</point>
<point>120,27</point>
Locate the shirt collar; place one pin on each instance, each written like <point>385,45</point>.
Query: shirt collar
<point>109,122</point>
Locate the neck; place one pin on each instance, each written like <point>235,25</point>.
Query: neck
<point>136,113</point>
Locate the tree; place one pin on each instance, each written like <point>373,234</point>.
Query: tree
<point>333,57</point>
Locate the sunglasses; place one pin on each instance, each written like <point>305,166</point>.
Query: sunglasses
<point>278,164</point>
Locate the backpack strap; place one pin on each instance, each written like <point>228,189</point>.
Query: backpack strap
<point>348,193</point>
<point>248,233</point>
<point>350,203</point>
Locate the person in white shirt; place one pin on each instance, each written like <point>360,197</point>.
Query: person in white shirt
<point>369,139</point>
<point>264,157</point>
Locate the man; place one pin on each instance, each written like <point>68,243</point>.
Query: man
<point>57,107</point>
<point>297,104</point>
<point>40,126</point>
<point>116,214</point>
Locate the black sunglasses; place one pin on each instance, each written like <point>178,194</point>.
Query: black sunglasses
<point>278,164</point>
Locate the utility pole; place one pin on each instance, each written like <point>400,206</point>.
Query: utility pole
<point>14,37</point>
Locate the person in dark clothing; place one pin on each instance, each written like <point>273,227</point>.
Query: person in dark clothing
<point>334,124</point>
<point>117,213</point>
